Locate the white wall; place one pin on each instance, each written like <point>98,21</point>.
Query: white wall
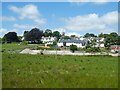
<point>60,44</point>
<point>102,45</point>
<point>68,44</point>
<point>48,39</point>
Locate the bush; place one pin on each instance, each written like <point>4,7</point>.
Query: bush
<point>3,50</point>
<point>73,48</point>
<point>24,42</point>
<point>39,48</point>
<point>93,49</point>
<point>50,45</point>
<point>116,51</point>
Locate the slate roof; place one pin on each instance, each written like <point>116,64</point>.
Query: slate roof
<point>72,41</point>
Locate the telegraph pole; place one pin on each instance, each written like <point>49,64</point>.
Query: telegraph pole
<point>56,50</point>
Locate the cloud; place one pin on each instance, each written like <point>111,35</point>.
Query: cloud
<point>29,12</point>
<point>2,30</point>
<point>67,33</point>
<point>96,1</point>
<point>59,29</point>
<point>110,18</point>
<point>73,33</point>
<point>5,18</point>
<point>21,26</point>
<point>92,23</point>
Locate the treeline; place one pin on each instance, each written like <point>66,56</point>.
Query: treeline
<point>110,39</point>
<point>35,35</point>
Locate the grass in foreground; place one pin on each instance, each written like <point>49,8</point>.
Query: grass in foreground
<point>43,71</point>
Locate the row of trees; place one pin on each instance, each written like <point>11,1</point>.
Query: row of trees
<point>35,35</point>
<point>110,39</point>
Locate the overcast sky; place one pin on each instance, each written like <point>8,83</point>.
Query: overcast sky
<point>72,18</point>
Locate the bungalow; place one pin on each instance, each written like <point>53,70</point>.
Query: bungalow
<point>78,43</point>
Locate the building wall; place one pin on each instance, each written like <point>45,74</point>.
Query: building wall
<point>48,39</point>
<point>99,45</point>
<point>59,44</point>
<point>68,44</point>
<point>102,45</point>
<point>115,47</point>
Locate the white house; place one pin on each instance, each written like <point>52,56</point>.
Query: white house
<point>99,41</point>
<point>48,40</point>
<point>100,45</point>
<point>78,43</point>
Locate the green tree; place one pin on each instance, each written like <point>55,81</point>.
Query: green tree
<point>101,35</point>
<point>0,40</point>
<point>88,45</point>
<point>111,39</point>
<point>34,35</point>
<point>24,42</point>
<point>118,42</point>
<point>73,48</point>
<point>20,38</point>
<point>107,42</point>
<point>95,49</point>
<point>25,32</point>
<point>66,37</point>
<point>89,35</point>
<point>11,37</point>
<point>47,33</point>
<point>93,43</point>
<point>57,35</point>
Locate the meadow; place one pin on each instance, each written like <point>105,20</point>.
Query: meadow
<point>50,71</point>
<point>17,47</point>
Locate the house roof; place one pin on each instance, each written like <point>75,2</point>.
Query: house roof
<point>72,41</point>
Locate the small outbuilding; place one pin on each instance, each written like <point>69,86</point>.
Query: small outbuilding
<point>115,48</point>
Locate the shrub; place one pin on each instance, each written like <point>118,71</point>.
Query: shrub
<point>2,50</point>
<point>24,42</point>
<point>50,45</point>
<point>93,49</point>
<point>39,48</point>
<point>96,49</point>
<point>73,48</point>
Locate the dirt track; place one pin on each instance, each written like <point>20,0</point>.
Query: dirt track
<point>63,52</point>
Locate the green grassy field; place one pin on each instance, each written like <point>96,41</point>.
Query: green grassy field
<point>45,71</point>
<point>17,47</point>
